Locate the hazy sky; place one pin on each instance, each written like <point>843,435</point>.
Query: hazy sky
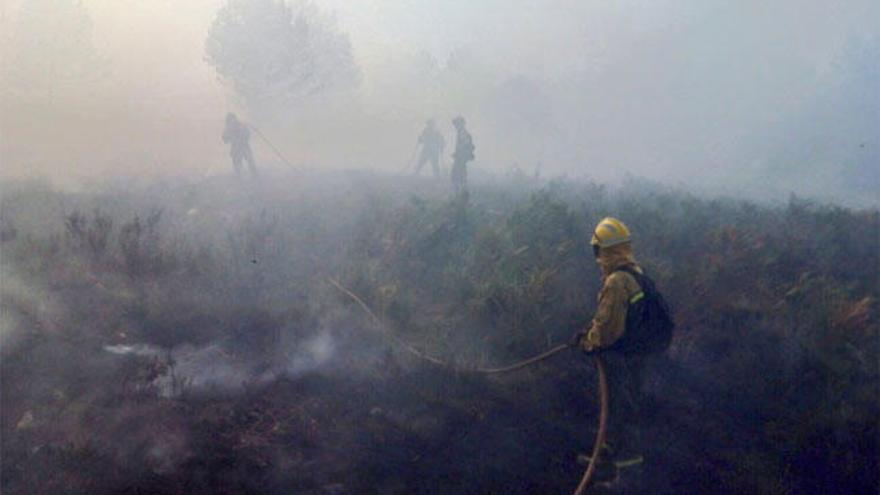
<point>669,89</point>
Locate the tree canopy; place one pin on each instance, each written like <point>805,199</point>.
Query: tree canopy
<point>273,53</point>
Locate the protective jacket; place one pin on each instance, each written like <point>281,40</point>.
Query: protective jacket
<point>464,146</point>
<point>238,136</point>
<point>432,141</point>
<point>609,322</point>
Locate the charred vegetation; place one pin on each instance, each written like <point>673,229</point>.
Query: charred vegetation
<point>185,339</point>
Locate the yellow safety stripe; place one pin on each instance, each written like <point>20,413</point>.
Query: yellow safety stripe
<point>636,298</point>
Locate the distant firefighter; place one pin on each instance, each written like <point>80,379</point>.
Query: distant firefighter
<point>464,152</point>
<point>238,136</point>
<point>432,144</point>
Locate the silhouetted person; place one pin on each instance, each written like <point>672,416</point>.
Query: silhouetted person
<point>432,144</point>
<point>464,152</point>
<point>238,136</point>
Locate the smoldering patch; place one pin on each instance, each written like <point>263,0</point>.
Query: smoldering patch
<point>212,368</point>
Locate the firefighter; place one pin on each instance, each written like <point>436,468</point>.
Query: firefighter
<point>464,152</point>
<point>238,136</point>
<point>632,322</point>
<point>432,143</point>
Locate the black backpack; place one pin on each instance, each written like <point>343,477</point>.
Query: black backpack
<point>649,324</point>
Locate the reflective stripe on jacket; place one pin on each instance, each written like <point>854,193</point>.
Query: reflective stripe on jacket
<point>618,288</point>
<point>609,323</point>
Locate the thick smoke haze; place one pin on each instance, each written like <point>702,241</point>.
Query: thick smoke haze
<point>742,97</point>
<point>330,322</point>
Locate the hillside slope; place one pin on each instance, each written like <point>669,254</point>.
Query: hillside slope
<point>184,338</point>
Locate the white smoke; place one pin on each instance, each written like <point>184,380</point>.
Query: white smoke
<point>188,368</point>
<point>144,350</point>
<point>312,354</point>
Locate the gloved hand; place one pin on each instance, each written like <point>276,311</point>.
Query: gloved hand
<point>580,341</point>
<point>587,348</point>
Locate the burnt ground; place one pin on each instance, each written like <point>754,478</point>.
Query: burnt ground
<point>197,348</point>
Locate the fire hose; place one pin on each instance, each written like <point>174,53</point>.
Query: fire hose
<point>272,146</point>
<point>587,478</point>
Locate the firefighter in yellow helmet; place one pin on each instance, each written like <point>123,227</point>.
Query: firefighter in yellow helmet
<point>613,251</point>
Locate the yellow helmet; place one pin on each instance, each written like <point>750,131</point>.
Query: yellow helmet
<point>609,232</point>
